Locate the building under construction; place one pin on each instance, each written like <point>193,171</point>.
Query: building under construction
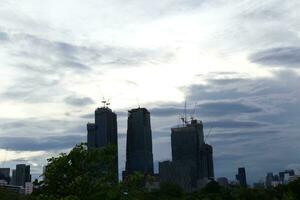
<point>192,164</point>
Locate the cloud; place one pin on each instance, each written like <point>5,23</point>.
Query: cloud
<point>215,108</point>
<point>227,108</point>
<point>19,156</point>
<point>3,37</point>
<point>78,101</point>
<point>41,143</point>
<point>33,89</point>
<point>234,124</point>
<point>42,127</point>
<point>280,57</point>
<point>58,56</point>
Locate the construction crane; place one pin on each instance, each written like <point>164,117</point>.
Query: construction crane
<point>209,133</point>
<point>105,102</point>
<point>5,157</point>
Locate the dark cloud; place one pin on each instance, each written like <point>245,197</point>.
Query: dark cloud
<point>58,57</point>
<point>226,81</point>
<point>209,109</point>
<point>78,101</point>
<point>44,68</point>
<point>282,56</point>
<point>41,143</point>
<point>234,124</point>
<point>33,89</point>
<point>164,111</point>
<point>41,127</point>
<point>88,116</point>
<point>227,108</point>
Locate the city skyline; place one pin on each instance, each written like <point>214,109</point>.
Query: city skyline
<point>58,59</point>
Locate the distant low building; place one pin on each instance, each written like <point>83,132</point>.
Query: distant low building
<point>284,176</point>
<point>3,182</point>
<point>13,188</point>
<point>28,188</point>
<point>294,178</point>
<point>178,173</point>
<point>259,185</point>
<point>269,180</point>
<point>223,181</point>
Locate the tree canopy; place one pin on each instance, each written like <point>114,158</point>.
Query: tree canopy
<point>89,175</point>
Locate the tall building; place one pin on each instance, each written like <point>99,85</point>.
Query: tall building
<point>139,157</point>
<point>13,178</point>
<point>188,145</point>
<point>103,131</point>
<point>4,174</point>
<point>269,179</point>
<point>22,174</point>
<point>241,177</point>
<point>189,150</point>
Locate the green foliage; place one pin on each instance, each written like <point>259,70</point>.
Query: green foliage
<point>89,175</point>
<point>81,174</point>
<point>8,195</point>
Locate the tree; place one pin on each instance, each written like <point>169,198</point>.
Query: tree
<point>8,195</point>
<point>80,174</point>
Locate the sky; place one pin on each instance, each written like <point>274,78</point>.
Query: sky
<point>235,63</point>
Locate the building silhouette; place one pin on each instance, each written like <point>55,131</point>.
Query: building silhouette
<point>22,174</point>
<point>241,177</point>
<point>191,153</point>
<point>223,181</point>
<point>180,173</point>
<point>104,132</point>
<point>13,178</point>
<point>284,174</point>
<point>139,157</point>
<point>269,179</point>
<point>5,174</point>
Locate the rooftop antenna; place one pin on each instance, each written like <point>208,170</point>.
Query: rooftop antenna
<point>185,120</point>
<point>138,102</point>
<point>194,111</point>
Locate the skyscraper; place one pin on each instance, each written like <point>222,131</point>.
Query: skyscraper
<point>4,174</point>
<point>103,131</point>
<point>139,157</point>
<point>22,174</point>
<point>189,152</point>
<point>241,177</point>
<point>188,145</point>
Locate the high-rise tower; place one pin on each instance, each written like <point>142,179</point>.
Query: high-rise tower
<point>103,131</point>
<point>22,174</point>
<point>188,146</point>
<point>191,153</point>
<point>241,177</point>
<point>139,157</point>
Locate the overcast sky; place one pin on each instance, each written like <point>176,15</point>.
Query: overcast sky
<point>236,62</point>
